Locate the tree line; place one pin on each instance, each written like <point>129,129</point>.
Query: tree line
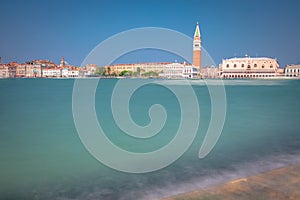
<point>102,71</point>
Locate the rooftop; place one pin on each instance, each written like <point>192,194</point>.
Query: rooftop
<point>250,58</point>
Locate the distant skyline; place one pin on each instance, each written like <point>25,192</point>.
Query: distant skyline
<point>43,29</point>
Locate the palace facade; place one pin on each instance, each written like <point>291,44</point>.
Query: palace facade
<point>247,67</point>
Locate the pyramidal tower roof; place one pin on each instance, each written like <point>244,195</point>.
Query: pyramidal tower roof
<point>197,31</point>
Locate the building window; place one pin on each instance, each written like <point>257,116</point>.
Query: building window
<point>227,65</point>
<point>243,65</point>
<point>255,65</point>
<point>262,66</point>
<point>248,66</point>
<point>271,66</point>
<point>234,65</point>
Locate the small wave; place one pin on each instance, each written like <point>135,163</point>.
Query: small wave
<point>167,183</point>
<point>215,177</point>
<point>222,82</point>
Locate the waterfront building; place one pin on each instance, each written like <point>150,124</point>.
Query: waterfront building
<point>3,71</point>
<point>33,71</point>
<point>190,72</point>
<point>42,63</point>
<point>89,70</point>
<point>157,67</point>
<point>73,72</point>
<point>38,68</point>
<point>180,70</point>
<point>292,71</point>
<point>140,68</point>
<point>35,68</point>
<point>173,70</point>
<point>10,70</point>
<point>28,71</point>
<point>210,72</point>
<point>51,72</point>
<point>247,67</point>
<point>37,65</point>
<point>15,70</point>
<point>64,72</point>
<point>118,68</point>
<point>21,70</point>
<point>197,55</point>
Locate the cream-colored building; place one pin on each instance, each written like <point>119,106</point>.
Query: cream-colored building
<point>173,70</point>
<point>247,67</point>
<point>51,72</point>
<point>118,68</point>
<point>15,70</point>
<point>3,71</point>
<point>292,71</point>
<point>157,67</point>
<point>180,70</point>
<point>210,72</point>
<point>33,71</point>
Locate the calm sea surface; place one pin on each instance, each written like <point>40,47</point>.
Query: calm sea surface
<point>42,157</point>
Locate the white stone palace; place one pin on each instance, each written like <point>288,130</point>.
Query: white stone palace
<point>247,67</point>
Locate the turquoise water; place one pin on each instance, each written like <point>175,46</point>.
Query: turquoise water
<point>42,157</point>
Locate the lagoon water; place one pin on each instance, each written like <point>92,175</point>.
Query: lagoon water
<point>42,157</point>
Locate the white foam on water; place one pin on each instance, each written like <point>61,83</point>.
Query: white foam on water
<point>170,182</point>
<point>215,177</point>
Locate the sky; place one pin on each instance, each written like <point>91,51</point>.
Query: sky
<point>42,29</point>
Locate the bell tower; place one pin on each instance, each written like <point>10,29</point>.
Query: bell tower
<point>62,63</point>
<point>197,48</point>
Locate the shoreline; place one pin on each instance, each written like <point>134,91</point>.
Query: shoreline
<point>280,183</point>
<point>160,78</point>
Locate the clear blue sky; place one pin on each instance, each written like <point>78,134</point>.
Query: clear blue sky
<point>40,29</point>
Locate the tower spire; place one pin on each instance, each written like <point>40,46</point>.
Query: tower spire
<point>197,31</point>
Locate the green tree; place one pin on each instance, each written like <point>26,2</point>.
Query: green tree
<point>138,71</point>
<point>113,74</point>
<point>108,70</point>
<point>150,74</point>
<point>125,73</point>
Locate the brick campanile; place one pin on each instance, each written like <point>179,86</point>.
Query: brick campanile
<point>197,48</point>
<point>62,62</point>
